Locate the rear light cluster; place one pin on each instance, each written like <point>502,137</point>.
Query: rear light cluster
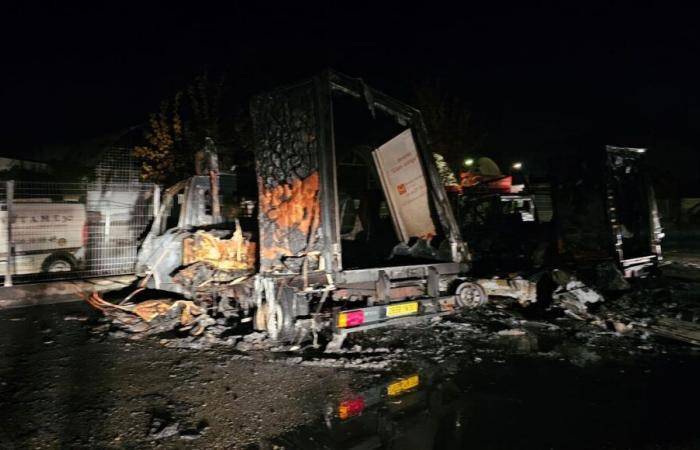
<point>350,408</point>
<point>348,319</point>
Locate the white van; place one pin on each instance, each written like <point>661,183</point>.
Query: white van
<point>48,237</point>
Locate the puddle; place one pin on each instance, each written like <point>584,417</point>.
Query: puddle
<point>579,401</point>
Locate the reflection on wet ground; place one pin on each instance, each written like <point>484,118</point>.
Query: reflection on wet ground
<point>578,400</point>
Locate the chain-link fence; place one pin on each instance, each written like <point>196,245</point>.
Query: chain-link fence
<point>72,230</point>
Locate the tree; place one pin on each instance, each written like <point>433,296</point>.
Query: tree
<point>451,129</point>
<point>164,155</point>
<point>178,130</point>
<point>446,174</point>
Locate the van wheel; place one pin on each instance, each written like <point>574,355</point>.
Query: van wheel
<point>58,263</point>
<point>471,295</point>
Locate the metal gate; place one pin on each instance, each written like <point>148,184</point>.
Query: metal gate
<point>52,230</point>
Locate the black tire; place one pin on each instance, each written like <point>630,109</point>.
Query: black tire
<point>59,262</point>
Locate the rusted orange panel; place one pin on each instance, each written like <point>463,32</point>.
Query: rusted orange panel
<point>236,253</point>
<point>147,310</point>
<point>289,215</point>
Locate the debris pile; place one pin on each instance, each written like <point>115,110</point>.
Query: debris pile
<point>517,288</point>
<point>154,316</point>
<point>573,296</point>
<point>646,309</point>
<point>677,329</point>
<point>192,324</point>
<point>164,426</point>
<point>214,266</point>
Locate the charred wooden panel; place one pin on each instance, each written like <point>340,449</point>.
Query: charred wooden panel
<point>287,159</point>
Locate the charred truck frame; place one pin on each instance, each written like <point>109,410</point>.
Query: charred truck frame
<point>605,210</point>
<point>311,275</point>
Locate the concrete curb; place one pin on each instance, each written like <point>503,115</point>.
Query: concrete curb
<point>58,291</point>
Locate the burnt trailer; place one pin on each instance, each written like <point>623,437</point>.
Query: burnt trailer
<point>353,231</point>
<point>605,210</point>
<point>352,212</point>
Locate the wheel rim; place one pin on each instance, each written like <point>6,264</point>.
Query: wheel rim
<point>60,266</point>
<point>470,295</point>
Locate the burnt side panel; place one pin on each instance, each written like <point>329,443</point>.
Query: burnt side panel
<point>286,133</point>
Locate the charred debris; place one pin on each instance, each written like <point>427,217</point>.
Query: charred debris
<point>350,229</point>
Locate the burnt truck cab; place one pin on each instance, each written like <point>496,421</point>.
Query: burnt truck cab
<point>501,223</point>
<point>353,231</point>
<point>186,207</point>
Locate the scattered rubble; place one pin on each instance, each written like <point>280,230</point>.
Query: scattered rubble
<point>154,316</point>
<point>642,310</point>
<point>170,423</point>
<point>523,291</point>
<point>76,317</point>
<point>573,296</point>
<point>677,329</point>
<point>254,341</point>
<point>161,429</point>
<point>512,332</point>
<point>687,271</point>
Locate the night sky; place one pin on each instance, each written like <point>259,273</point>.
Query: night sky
<point>538,78</point>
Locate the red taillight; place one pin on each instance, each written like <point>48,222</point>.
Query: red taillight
<point>351,319</point>
<point>351,408</point>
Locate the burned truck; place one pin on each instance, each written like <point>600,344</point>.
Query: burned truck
<point>353,229</point>
<point>605,211</point>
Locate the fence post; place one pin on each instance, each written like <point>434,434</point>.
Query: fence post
<point>10,260</point>
<point>156,199</point>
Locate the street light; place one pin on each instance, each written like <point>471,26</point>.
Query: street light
<point>517,166</point>
<point>469,162</point>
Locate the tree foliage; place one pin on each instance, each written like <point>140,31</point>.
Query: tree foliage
<point>446,174</point>
<point>177,131</point>
<point>164,153</point>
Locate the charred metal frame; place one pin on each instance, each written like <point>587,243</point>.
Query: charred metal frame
<point>299,212</point>
<point>589,209</point>
<point>632,265</point>
<point>411,117</point>
<point>321,88</point>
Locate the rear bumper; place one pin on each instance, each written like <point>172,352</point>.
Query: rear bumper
<point>639,267</point>
<point>381,315</point>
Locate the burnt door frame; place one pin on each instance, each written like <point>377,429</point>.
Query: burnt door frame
<point>411,118</point>
<point>323,86</point>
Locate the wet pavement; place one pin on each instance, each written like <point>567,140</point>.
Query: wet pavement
<point>520,391</point>
<point>485,379</point>
<point>514,404</point>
